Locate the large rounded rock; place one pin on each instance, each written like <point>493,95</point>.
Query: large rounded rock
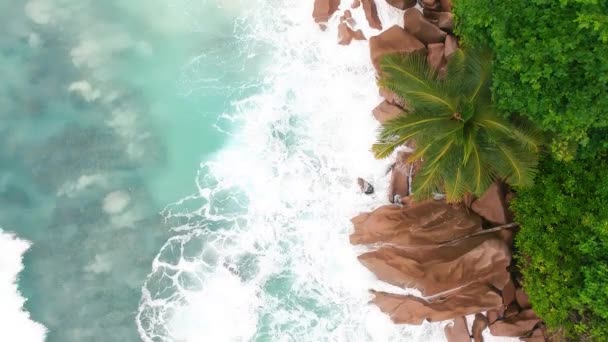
<point>393,40</point>
<point>416,24</point>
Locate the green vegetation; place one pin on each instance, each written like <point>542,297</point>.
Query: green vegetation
<point>465,145</point>
<point>564,242</point>
<point>551,65</point>
<point>551,61</point>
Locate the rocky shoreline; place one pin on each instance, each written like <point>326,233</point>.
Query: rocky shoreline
<point>459,256</point>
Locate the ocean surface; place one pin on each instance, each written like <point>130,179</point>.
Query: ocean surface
<point>185,170</point>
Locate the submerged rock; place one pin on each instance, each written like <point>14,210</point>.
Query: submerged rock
<point>366,187</point>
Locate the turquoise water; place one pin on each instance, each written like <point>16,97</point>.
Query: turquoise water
<point>84,179</point>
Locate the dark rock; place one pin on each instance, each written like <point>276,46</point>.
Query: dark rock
<point>366,187</point>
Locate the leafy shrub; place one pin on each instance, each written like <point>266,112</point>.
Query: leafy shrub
<point>563,246</point>
<point>551,61</point>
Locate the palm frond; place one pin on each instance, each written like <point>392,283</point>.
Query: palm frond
<point>410,77</point>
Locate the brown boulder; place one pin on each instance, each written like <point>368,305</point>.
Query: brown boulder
<point>538,335</point>
<point>472,299</point>
<point>519,325</point>
<point>451,45</point>
<point>346,34</point>
<point>511,311</point>
<point>445,21</point>
<point>458,331</point>
<point>435,57</point>
<point>430,4</point>
<point>492,205</point>
<point>427,223</point>
<point>371,14</point>
<point>522,299</point>
<point>432,16</point>
<point>323,10</point>
<point>402,4</point>
<point>422,28</point>
<point>479,325</point>
<point>391,97</point>
<point>440,269</point>
<point>493,315</point>
<point>401,174</point>
<point>393,40</point>
<point>386,111</point>
<point>508,293</point>
<point>446,5</point>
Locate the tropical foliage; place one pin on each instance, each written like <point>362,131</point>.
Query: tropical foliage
<point>550,62</point>
<point>563,246</point>
<point>463,143</point>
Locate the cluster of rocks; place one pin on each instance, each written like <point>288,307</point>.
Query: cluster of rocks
<point>457,256</point>
<point>460,266</point>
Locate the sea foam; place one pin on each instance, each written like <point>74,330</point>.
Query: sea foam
<point>15,322</point>
<point>261,250</point>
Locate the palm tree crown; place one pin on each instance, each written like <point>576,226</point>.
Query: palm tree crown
<point>463,143</point>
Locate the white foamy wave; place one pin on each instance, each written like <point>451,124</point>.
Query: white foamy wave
<point>262,250</point>
<point>15,322</point>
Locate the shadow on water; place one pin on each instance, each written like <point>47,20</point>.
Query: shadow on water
<point>100,128</point>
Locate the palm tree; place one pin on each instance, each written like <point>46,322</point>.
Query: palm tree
<point>463,144</point>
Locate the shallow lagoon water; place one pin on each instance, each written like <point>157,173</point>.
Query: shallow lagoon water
<point>107,108</point>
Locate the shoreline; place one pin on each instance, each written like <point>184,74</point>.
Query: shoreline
<point>396,234</point>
